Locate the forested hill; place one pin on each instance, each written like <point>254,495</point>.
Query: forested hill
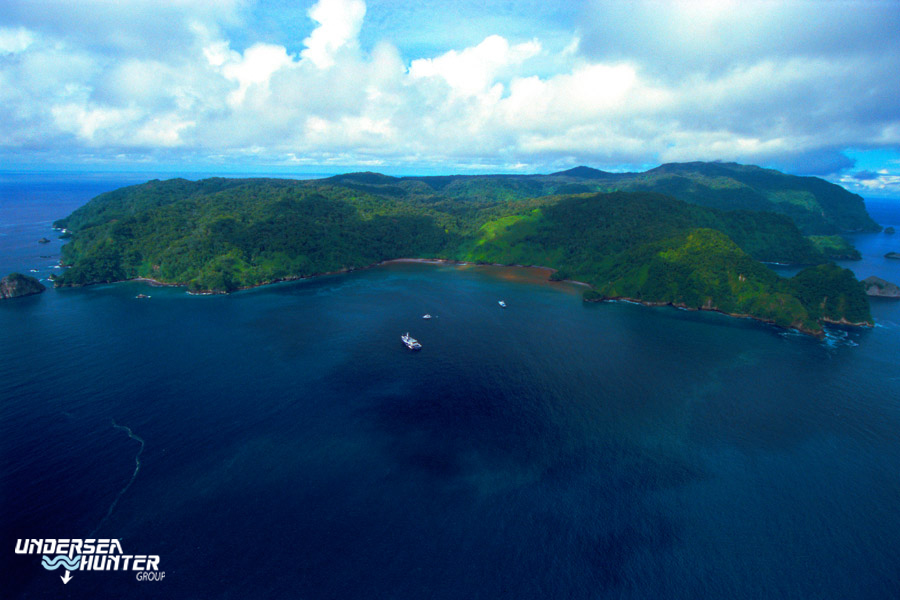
<point>815,205</point>
<point>226,234</point>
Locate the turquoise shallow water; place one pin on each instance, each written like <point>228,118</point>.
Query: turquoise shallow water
<point>293,448</point>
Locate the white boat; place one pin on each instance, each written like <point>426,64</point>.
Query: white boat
<point>426,316</point>
<point>410,342</point>
<point>502,304</point>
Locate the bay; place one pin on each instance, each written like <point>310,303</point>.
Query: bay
<point>294,448</point>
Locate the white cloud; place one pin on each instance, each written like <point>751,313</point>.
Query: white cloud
<point>87,123</point>
<point>474,70</point>
<point>349,133</point>
<point>339,24</point>
<point>255,68</point>
<point>589,92</point>
<point>15,40</point>
<point>165,131</point>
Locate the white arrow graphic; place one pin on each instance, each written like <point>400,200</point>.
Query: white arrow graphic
<point>66,578</point>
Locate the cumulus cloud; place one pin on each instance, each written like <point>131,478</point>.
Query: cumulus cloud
<point>626,88</point>
<point>474,70</point>
<point>339,24</point>
<point>254,68</point>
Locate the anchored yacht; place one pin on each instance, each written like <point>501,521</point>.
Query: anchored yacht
<point>410,342</point>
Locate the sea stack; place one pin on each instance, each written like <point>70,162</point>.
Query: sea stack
<point>16,285</point>
<point>876,286</point>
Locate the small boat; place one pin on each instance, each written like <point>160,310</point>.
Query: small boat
<point>142,296</point>
<point>410,342</point>
<point>426,316</point>
<point>502,304</point>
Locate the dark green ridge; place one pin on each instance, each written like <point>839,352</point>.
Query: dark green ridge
<point>227,234</point>
<point>816,206</point>
<point>586,173</point>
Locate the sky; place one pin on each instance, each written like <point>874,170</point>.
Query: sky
<point>467,86</point>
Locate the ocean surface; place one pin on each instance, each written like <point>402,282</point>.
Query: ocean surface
<point>282,443</point>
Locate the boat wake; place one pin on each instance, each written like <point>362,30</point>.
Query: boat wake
<point>137,468</point>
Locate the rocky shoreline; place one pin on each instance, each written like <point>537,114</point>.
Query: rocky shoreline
<point>877,287</point>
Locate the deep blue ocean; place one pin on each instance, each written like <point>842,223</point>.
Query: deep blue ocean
<point>282,443</point>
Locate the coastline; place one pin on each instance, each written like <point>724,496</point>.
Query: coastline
<point>433,261</point>
<point>448,261</point>
<point>818,334</point>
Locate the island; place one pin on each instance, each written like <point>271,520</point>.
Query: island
<point>894,255</point>
<point>16,285</point>
<point>693,235</point>
<point>876,286</point>
<point>889,230</point>
<point>43,240</point>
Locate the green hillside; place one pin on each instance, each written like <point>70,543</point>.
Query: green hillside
<point>834,247</point>
<point>816,206</point>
